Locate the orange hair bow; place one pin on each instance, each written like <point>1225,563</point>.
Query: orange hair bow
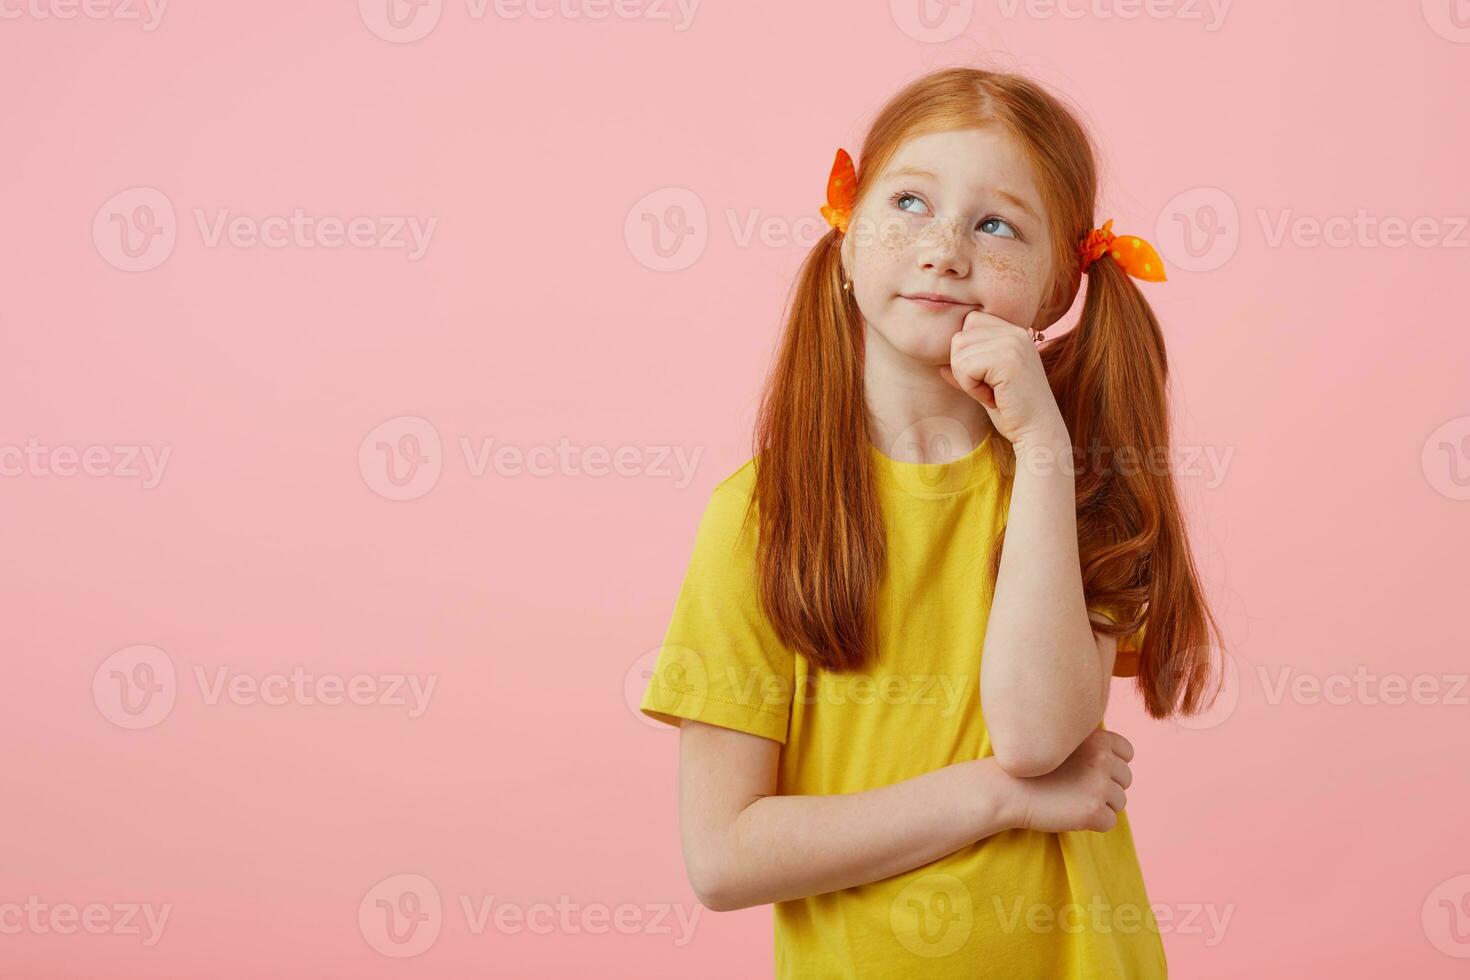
<point>1136,256</point>
<point>841,191</point>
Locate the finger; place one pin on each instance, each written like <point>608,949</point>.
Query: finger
<point>1120,772</point>
<point>975,367</point>
<point>980,320</point>
<point>948,375</point>
<point>1122,747</point>
<point>1117,799</point>
<point>967,381</point>
<point>979,336</point>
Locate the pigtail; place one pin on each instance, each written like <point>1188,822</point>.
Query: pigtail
<point>821,547</point>
<point>1109,376</point>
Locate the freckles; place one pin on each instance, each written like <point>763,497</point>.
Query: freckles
<point>1005,268</point>
<point>894,238</point>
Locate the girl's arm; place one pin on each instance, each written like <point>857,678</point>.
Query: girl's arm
<point>744,847</point>
<point>1041,675</point>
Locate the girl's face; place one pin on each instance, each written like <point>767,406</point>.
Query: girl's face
<point>957,214</point>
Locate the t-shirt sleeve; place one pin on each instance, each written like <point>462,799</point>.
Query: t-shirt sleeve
<point>721,662</point>
<point>1129,645</point>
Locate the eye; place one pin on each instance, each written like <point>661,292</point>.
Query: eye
<point>898,199</point>
<point>992,221</point>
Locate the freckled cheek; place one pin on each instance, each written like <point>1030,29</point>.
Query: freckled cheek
<point>884,255</point>
<point>1010,286</point>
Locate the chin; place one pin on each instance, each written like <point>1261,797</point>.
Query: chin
<point>928,341</point>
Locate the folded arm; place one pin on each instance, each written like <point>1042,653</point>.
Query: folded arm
<point>745,846</point>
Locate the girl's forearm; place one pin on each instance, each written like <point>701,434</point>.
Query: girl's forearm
<point>1040,677</point>
<point>788,847</point>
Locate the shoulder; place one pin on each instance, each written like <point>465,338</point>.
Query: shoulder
<point>726,510</point>
<point>740,482</point>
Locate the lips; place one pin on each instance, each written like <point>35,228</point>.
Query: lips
<point>941,297</point>
<point>936,301</point>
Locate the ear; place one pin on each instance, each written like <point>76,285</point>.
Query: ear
<point>1057,301</point>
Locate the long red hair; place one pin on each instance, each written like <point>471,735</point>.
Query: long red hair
<point>822,543</point>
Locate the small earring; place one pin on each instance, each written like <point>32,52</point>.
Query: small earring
<point>847,284</point>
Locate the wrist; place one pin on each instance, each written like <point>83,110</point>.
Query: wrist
<point>1047,454</point>
<point>1050,433</point>
<point>999,798</point>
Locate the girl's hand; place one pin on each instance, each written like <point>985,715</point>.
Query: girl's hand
<point>996,362</point>
<point>1083,793</point>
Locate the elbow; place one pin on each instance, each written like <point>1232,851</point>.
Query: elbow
<point>1027,765</point>
<point>1027,757</point>
<point>708,891</point>
<point>1036,749</point>
<point>704,883</point>
<point>711,886</point>
<point>715,896</point>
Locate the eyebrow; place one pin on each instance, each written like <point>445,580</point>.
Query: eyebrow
<point>917,172</point>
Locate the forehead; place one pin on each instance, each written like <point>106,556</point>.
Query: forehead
<point>975,161</point>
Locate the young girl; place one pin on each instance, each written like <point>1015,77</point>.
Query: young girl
<point>891,653</point>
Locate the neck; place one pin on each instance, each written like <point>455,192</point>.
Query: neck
<point>914,415</point>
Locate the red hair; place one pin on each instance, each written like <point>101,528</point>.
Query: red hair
<point>822,543</point>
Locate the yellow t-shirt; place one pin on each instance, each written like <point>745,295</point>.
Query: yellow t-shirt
<point>1016,905</point>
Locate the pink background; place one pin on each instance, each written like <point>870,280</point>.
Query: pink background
<point>1328,382</point>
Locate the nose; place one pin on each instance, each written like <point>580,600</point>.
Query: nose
<point>941,250</point>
